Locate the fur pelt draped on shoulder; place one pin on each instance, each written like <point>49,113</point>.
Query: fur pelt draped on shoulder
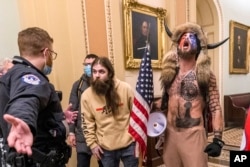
<point>169,68</point>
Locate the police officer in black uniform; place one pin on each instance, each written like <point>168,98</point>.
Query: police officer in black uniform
<point>31,116</point>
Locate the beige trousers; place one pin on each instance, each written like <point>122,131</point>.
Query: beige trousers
<point>185,149</point>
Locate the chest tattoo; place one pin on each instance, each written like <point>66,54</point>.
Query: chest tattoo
<point>187,90</point>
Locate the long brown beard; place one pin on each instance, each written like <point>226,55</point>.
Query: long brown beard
<point>107,89</point>
<point>100,87</point>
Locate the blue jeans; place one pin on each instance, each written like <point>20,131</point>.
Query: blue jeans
<point>126,155</point>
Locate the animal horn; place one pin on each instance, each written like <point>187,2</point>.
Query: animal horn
<point>215,45</point>
<point>167,29</point>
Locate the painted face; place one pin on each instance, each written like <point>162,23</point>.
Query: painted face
<point>100,72</point>
<point>187,45</point>
<point>188,41</point>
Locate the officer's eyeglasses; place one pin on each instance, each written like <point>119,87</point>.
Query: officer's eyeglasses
<point>52,53</point>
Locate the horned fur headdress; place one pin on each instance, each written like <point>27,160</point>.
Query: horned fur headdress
<point>203,62</point>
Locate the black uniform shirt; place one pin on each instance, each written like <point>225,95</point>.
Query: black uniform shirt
<point>27,94</point>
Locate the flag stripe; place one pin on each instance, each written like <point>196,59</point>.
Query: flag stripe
<point>138,124</point>
<point>137,136</point>
<point>245,142</point>
<point>140,100</point>
<point>141,103</point>
<point>139,109</point>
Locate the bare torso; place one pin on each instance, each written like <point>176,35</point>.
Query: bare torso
<point>185,105</point>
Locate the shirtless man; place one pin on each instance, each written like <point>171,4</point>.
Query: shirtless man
<point>188,82</point>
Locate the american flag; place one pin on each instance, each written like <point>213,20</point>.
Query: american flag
<point>245,141</point>
<point>141,104</point>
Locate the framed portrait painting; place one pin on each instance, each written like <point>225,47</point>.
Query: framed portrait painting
<point>143,29</point>
<point>238,48</point>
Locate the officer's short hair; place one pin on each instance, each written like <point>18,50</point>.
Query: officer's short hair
<point>33,40</point>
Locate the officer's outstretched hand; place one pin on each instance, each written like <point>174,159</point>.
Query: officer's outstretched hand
<point>214,148</point>
<point>20,136</point>
<point>70,115</point>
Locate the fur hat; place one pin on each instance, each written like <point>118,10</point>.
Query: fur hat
<point>170,59</point>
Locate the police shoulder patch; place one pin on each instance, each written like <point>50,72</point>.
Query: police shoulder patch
<point>31,79</point>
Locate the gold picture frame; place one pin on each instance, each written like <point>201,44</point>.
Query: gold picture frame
<point>238,48</point>
<point>134,16</point>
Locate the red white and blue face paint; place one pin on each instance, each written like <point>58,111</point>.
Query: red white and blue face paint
<point>187,46</point>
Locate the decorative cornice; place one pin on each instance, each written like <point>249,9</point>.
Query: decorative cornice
<point>109,30</point>
<point>187,10</point>
<point>85,28</point>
